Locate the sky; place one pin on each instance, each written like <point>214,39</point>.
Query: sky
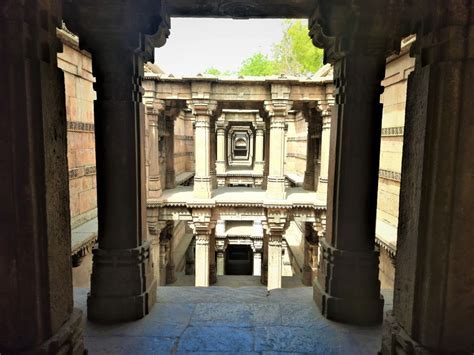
<point>197,44</point>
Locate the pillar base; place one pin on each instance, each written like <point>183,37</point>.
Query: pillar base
<point>395,341</point>
<point>123,287</point>
<point>307,278</point>
<point>212,274</point>
<point>202,187</point>
<point>220,167</point>
<point>347,288</point>
<point>308,182</point>
<point>276,188</point>
<point>67,340</point>
<point>170,274</point>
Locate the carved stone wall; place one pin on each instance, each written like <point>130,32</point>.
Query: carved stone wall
<point>80,95</point>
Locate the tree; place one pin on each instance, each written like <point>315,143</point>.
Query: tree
<point>258,65</point>
<point>213,71</point>
<point>217,72</point>
<point>295,54</point>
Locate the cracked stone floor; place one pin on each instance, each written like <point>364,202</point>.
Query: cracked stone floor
<point>245,320</point>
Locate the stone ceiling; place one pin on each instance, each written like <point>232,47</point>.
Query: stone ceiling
<point>241,8</point>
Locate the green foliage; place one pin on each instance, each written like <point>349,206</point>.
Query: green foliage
<point>295,54</point>
<point>258,65</point>
<point>217,72</point>
<point>213,71</point>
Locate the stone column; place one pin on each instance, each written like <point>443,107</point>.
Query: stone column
<point>264,271</point>
<point>163,245</point>
<point>190,258</point>
<point>155,109</point>
<point>170,172</point>
<point>278,110</point>
<point>221,246</point>
<point>203,111</point>
<point>202,226</point>
<point>311,149</point>
<point>259,147</point>
<point>220,263</point>
<point>433,307</point>
<point>123,287</point>
<point>325,139</point>
<point>257,247</point>
<point>212,258</point>
<point>221,160</point>
<point>257,263</point>
<point>36,300</point>
<point>347,288</point>
<point>155,227</point>
<point>277,223</point>
<point>266,143</point>
<point>213,153</point>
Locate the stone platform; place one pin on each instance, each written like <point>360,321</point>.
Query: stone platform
<point>246,320</point>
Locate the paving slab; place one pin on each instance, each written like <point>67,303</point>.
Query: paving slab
<point>225,320</point>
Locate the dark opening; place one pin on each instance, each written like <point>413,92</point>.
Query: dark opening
<point>239,260</point>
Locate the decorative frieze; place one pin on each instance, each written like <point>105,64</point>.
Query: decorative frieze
<point>184,138</point>
<point>393,132</point>
<point>390,175</point>
<point>78,126</point>
<point>82,171</point>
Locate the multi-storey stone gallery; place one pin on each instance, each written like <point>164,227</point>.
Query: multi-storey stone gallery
<point>284,212</point>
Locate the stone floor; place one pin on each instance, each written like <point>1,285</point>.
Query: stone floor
<point>237,281</point>
<point>245,320</point>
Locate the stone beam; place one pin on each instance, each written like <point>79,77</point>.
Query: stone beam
<point>242,9</point>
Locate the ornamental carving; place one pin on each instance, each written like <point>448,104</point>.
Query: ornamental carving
<point>240,9</point>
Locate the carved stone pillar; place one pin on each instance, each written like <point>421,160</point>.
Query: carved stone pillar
<point>221,246</point>
<point>259,147</point>
<point>266,163</point>
<point>311,150</point>
<point>277,110</point>
<point>257,247</point>
<point>155,109</point>
<point>277,223</point>
<point>202,226</point>
<point>123,287</point>
<point>190,258</point>
<point>433,307</point>
<point>170,172</point>
<point>212,258</point>
<point>257,263</point>
<point>322,189</point>
<point>213,153</point>
<point>264,272</point>
<point>36,301</point>
<point>155,227</point>
<point>203,111</point>
<point>221,160</point>
<point>347,288</point>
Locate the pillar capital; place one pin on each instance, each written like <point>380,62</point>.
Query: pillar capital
<point>202,222</point>
<point>278,107</point>
<point>202,107</point>
<point>367,29</point>
<point>277,221</point>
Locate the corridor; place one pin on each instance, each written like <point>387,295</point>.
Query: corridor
<point>246,320</point>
